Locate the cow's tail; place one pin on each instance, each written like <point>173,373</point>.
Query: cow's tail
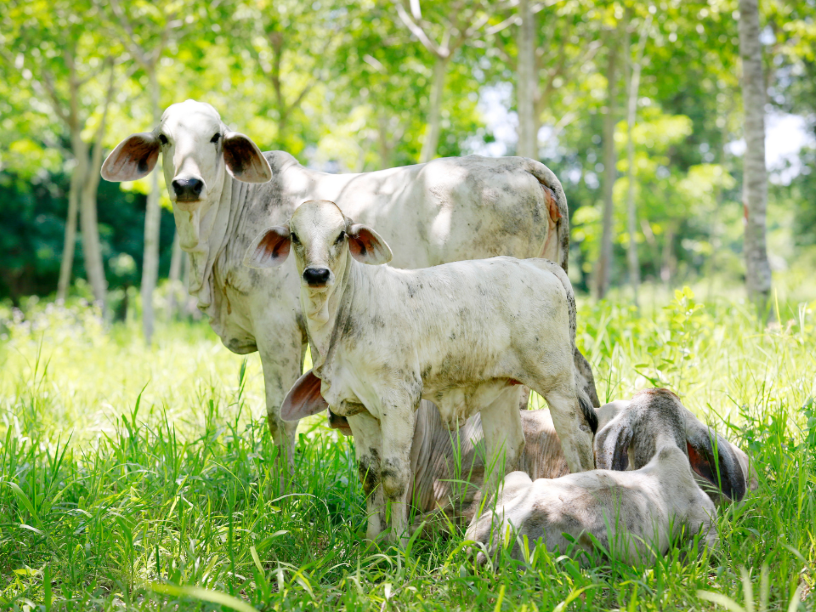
<point>580,383</point>
<point>557,247</point>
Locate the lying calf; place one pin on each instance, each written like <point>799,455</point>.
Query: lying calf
<point>448,466</point>
<point>632,515</point>
<point>465,335</point>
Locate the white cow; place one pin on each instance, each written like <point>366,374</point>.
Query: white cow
<point>446,210</point>
<point>631,516</point>
<point>463,335</point>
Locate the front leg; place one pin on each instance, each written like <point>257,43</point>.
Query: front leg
<point>368,451</point>
<point>281,360</point>
<point>398,413</point>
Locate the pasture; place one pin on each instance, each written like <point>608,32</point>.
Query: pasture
<point>136,478</point>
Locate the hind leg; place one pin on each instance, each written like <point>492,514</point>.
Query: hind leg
<point>503,435</point>
<point>568,418</point>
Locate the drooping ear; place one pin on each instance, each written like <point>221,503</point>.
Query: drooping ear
<point>270,249</point>
<point>133,158</point>
<point>612,445</point>
<point>366,245</point>
<point>303,399</point>
<point>713,458</point>
<point>244,159</point>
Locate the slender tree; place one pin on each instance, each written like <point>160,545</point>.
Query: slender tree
<point>526,84</point>
<point>459,22</point>
<point>602,274</point>
<point>755,178</point>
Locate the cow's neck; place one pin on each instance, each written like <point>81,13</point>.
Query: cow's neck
<point>202,234</point>
<point>326,314</point>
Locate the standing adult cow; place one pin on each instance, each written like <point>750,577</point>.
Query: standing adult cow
<point>225,192</point>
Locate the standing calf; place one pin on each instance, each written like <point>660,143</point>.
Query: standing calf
<point>463,335</point>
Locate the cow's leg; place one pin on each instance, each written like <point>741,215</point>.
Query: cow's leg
<point>568,419</point>
<point>504,437</point>
<point>586,377</point>
<point>398,412</point>
<point>368,449</point>
<point>282,363</point>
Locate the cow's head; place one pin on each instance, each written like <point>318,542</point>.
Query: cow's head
<point>197,150</point>
<point>323,238</point>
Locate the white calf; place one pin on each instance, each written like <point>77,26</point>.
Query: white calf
<point>463,335</point>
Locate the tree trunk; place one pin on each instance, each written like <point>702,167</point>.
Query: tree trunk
<point>755,180</point>
<point>434,110</point>
<point>525,90</point>
<point>610,172</point>
<point>631,211</point>
<point>176,296</point>
<point>150,266</point>
<point>91,247</point>
<point>70,234</point>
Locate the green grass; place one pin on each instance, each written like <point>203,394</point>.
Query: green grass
<point>136,478</point>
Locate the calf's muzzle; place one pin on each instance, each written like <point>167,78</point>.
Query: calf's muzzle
<point>188,189</point>
<point>317,277</point>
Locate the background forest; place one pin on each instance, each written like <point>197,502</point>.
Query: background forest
<point>370,84</point>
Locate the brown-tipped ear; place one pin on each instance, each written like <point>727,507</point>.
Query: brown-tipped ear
<point>270,249</point>
<point>713,458</point>
<point>244,159</point>
<point>366,245</point>
<point>133,158</point>
<point>303,399</point>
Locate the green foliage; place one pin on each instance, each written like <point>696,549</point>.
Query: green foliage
<point>154,485</point>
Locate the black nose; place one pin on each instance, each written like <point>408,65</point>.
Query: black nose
<point>188,189</point>
<point>316,277</point>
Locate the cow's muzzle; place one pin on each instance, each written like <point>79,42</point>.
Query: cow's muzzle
<point>188,189</point>
<point>317,277</point>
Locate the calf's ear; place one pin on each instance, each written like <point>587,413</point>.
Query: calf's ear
<point>366,245</point>
<point>133,158</point>
<point>612,444</point>
<point>244,159</point>
<point>303,399</point>
<point>713,458</point>
<point>269,249</point>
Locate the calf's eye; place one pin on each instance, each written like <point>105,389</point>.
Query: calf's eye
<point>340,238</point>
<point>215,137</point>
<point>163,139</point>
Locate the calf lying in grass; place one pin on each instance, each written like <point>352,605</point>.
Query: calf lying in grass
<point>630,516</point>
<point>449,466</point>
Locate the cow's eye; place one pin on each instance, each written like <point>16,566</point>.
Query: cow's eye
<point>215,137</point>
<point>340,238</point>
<point>163,139</point>
<point>295,239</point>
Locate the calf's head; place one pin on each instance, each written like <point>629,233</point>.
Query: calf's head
<point>197,150</point>
<point>322,238</point>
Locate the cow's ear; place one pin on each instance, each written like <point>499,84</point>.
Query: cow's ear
<point>270,249</point>
<point>713,458</point>
<point>133,158</point>
<point>612,444</point>
<point>366,245</point>
<point>244,159</point>
<point>303,399</point>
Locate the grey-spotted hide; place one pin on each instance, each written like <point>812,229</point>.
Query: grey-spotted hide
<point>627,434</point>
<point>464,335</point>
<point>224,192</point>
<point>629,516</point>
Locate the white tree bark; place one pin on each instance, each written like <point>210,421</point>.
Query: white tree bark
<point>526,87</point>
<point>631,117</point>
<point>150,262</point>
<point>434,110</point>
<point>755,179</point>
<point>67,263</point>
<point>610,171</point>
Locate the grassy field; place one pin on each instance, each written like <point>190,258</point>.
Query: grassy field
<point>143,478</point>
